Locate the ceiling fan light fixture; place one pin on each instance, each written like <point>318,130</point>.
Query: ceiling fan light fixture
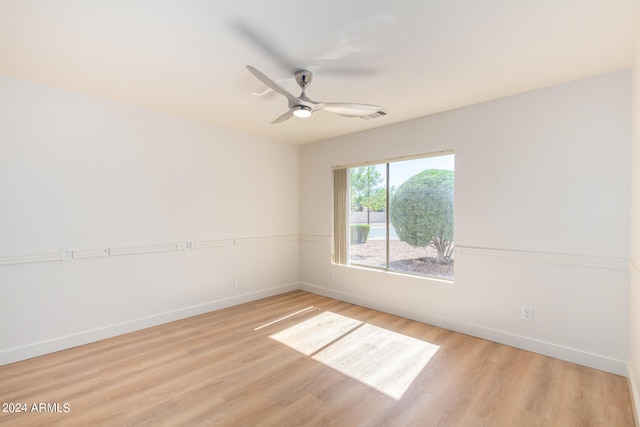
<point>302,111</point>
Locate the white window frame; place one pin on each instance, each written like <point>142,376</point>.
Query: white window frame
<point>340,247</point>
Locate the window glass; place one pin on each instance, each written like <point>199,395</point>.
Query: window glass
<point>367,215</point>
<point>421,216</point>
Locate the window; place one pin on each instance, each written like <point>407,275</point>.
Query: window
<point>396,215</point>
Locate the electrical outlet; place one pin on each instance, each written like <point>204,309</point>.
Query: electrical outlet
<point>67,254</point>
<point>527,314</point>
<point>184,245</point>
<point>236,284</point>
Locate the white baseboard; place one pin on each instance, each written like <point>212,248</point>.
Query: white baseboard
<point>592,360</point>
<point>64,342</point>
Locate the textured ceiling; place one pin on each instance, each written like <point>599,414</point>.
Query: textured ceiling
<point>414,58</point>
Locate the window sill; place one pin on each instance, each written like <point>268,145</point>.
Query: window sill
<point>399,273</point>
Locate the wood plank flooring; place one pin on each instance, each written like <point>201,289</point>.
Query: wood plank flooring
<point>254,365</point>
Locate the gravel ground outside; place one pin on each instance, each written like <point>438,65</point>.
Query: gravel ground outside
<point>402,256</point>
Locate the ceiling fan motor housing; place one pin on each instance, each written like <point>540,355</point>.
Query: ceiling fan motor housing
<point>303,78</point>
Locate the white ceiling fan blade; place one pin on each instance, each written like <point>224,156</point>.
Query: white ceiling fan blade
<point>270,83</point>
<point>349,109</point>
<point>282,118</point>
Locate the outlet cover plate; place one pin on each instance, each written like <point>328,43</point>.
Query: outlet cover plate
<point>527,314</point>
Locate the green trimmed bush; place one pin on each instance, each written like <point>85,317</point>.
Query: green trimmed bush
<point>359,233</point>
<point>421,211</point>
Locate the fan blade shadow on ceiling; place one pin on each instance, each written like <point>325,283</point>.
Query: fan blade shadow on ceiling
<point>270,48</point>
<point>264,44</point>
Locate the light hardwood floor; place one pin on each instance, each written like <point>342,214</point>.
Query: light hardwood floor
<point>301,359</point>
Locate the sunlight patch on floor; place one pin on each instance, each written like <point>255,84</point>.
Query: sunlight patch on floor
<point>312,335</point>
<point>297,313</point>
<point>380,358</point>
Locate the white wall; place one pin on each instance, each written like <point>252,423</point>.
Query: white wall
<point>82,173</point>
<point>634,264</point>
<point>542,219</point>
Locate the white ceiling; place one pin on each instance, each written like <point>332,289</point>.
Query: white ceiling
<point>413,57</point>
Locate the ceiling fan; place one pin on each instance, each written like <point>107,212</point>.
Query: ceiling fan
<point>303,107</point>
